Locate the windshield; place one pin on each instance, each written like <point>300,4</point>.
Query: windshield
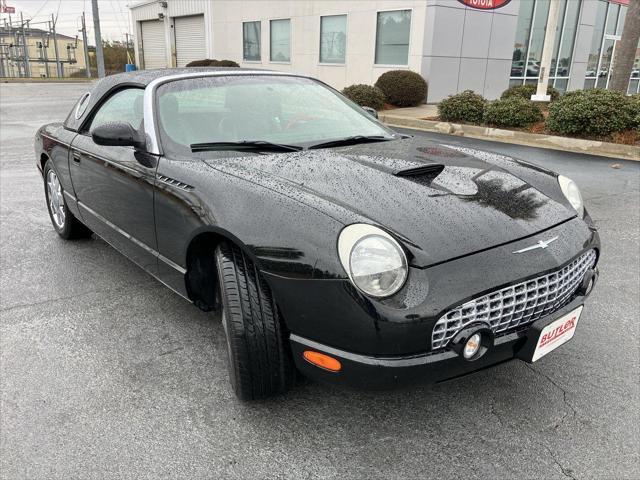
<point>247,108</point>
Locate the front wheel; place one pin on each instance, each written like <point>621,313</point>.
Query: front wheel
<point>260,363</point>
<point>67,226</point>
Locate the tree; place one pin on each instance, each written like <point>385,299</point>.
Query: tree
<point>626,49</point>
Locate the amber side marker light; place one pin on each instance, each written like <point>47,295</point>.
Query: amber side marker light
<point>321,360</point>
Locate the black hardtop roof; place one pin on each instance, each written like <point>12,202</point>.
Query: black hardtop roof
<point>145,77</point>
<point>140,78</point>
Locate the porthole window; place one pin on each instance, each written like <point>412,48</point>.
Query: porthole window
<point>83,103</point>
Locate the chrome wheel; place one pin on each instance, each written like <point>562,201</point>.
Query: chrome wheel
<point>56,201</point>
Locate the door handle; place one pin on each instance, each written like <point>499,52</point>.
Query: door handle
<point>76,157</point>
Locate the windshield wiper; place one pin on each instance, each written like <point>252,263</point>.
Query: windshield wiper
<point>255,145</point>
<point>354,140</point>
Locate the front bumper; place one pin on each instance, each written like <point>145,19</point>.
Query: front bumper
<point>333,312</point>
<point>380,372</point>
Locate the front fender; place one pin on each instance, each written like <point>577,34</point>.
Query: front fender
<point>279,231</point>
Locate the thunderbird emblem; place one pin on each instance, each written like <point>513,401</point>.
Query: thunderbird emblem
<point>541,244</point>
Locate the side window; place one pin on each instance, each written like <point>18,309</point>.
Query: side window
<point>123,106</point>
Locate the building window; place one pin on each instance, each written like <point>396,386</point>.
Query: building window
<point>634,83</point>
<point>563,51</point>
<point>333,38</point>
<point>527,51</point>
<point>280,34</point>
<point>607,30</point>
<point>251,41</point>
<point>392,37</point>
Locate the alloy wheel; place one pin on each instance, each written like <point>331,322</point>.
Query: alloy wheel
<point>56,200</point>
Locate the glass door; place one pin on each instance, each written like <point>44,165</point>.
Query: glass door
<point>606,60</point>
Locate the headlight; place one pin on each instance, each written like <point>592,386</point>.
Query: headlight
<point>572,192</point>
<point>373,259</point>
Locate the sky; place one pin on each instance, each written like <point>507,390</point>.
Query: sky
<point>114,16</point>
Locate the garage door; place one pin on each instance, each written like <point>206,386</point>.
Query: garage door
<point>189,33</point>
<point>154,50</point>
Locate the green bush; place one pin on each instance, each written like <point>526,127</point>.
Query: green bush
<point>512,112</point>
<point>403,88</point>
<point>525,91</point>
<point>212,63</point>
<point>225,63</point>
<point>365,95</point>
<point>466,106</point>
<point>595,112</point>
<point>634,110</point>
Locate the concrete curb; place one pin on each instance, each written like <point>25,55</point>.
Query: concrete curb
<point>591,147</point>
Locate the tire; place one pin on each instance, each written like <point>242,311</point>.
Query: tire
<point>260,363</point>
<point>63,221</point>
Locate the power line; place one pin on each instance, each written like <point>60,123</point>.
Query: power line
<point>58,11</point>
<point>115,15</point>
<point>39,10</point>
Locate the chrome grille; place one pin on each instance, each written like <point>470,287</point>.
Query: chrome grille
<point>516,305</point>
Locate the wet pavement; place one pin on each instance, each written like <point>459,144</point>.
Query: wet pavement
<point>105,373</point>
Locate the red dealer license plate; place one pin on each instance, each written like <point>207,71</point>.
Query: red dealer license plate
<point>557,333</point>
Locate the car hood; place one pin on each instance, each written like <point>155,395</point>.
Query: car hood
<point>442,201</point>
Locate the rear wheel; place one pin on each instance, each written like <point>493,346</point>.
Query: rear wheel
<point>65,223</point>
<point>260,363</point>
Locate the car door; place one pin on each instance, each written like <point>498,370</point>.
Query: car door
<point>115,185</point>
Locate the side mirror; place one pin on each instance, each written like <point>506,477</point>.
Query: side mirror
<point>371,111</point>
<point>118,134</point>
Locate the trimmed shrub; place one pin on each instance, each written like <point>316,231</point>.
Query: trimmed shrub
<point>512,112</point>
<point>200,63</point>
<point>634,110</point>
<point>595,112</point>
<point>212,63</point>
<point>225,63</point>
<point>365,95</point>
<point>525,91</point>
<point>403,88</point>
<point>466,106</point>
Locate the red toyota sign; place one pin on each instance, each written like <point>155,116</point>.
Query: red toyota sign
<point>484,4</point>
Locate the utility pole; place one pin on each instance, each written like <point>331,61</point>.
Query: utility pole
<point>96,28</point>
<point>626,49</point>
<point>25,49</point>
<point>55,47</point>
<point>45,56</point>
<point>129,59</point>
<point>86,46</point>
<point>10,61</point>
<point>547,53</point>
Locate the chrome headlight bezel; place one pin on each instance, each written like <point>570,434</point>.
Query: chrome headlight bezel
<point>351,237</point>
<point>572,193</point>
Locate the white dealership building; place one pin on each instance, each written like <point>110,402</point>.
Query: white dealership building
<point>454,44</point>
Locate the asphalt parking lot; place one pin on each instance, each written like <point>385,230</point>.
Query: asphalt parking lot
<point>106,373</point>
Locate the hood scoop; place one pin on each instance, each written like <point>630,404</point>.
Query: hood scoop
<point>424,174</point>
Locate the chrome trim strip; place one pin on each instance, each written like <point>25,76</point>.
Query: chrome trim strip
<point>420,359</point>
<point>150,127</point>
<point>98,158</point>
<point>128,236</point>
<point>397,362</point>
<point>84,101</point>
<point>71,197</point>
<point>172,264</point>
<point>166,284</point>
<point>68,145</point>
<point>174,183</point>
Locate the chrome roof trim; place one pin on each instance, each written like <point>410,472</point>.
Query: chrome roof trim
<point>150,126</point>
<point>83,103</point>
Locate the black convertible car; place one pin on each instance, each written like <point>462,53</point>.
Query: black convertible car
<point>331,245</point>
